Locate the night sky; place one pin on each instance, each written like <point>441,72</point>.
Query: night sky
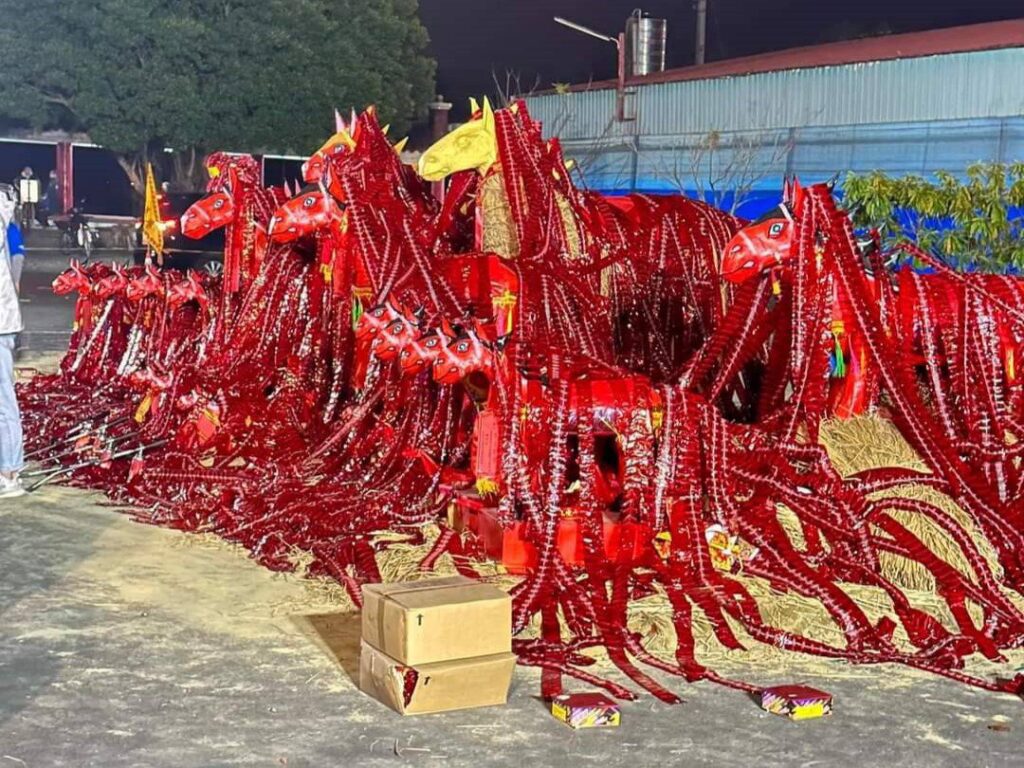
<point>472,38</point>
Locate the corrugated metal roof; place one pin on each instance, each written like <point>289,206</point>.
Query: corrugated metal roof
<point>973,37</point>
<point>954,86</point>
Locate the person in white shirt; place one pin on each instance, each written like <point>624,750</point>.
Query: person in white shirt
<point>12,452</point>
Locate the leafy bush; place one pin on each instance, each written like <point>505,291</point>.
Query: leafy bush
<point>975,223</point>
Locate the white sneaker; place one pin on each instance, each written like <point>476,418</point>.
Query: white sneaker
<point>10,487</point>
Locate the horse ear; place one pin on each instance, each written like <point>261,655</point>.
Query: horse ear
<point>798,195</point>
<point>488,114</point>
<point>400,145</point>
<point>473,106</point>
<point>446,328</point>
<point>339,122</point>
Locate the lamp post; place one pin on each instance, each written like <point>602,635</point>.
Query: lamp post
<point>620,45</point>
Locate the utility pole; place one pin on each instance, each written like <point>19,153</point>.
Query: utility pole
<point>702,23</point>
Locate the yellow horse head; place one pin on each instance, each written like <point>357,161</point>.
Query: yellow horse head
<point>471,145</point>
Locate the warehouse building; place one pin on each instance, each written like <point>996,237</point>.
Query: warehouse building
<point>904,104</point>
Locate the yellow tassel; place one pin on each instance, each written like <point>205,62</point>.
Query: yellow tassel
<point>486,486</point>
<point>143,409</point>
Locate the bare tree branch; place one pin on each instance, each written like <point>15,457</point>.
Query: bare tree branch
<point>713,165</point>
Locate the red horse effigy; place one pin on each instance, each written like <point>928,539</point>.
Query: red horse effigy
<point>625,393</point>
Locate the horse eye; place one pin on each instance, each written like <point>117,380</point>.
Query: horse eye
<point>431,342</point>
<point>308,202</point>
<point>776,229</point>
<point>748,264</point>
<point>218,204</point>
<point>462,347</point>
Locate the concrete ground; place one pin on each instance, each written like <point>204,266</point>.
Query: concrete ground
<point>47,317</point>
<point>127,645</point>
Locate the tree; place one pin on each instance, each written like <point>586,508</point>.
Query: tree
<point>977,222</point>
<point>139,76</point>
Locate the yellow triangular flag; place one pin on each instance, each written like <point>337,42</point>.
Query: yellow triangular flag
<point>152,234</point>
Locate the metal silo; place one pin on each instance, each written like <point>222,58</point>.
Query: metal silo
<point>645,44</point>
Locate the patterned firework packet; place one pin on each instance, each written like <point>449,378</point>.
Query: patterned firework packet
<point>798,702</point>
<point>586,710</point>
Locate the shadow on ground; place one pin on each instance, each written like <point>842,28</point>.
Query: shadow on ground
<point>337,635</point>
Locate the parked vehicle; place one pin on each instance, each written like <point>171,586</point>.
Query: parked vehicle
<point>76,233</point>
<point>182,252</point>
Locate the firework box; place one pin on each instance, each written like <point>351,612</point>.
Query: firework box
<point>424,622</point>
<point>798,702</point>
<point>586,710</point>
<point>440,686</point>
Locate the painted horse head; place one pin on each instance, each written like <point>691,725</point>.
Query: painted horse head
<point>374,320</point>
<point>214,211</point>
<point>766,243</point>
<point>227,170</point>
<point>111,285</point>
<point>72,279</point>
<point>461,355</point>
<point>149,283</point>
<point>473,145</point>
<point>419,354</point>
<point>393,337</point>
<point>343,140</point>
<point>303,215</point>
<point>189,289</point>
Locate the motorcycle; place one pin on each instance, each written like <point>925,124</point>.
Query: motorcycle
<point>76,233</point>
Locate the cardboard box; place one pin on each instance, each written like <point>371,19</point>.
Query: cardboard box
<point>423,622</point>
<point>586,710</point>
<point>439,687</point>
<point>798,702</point>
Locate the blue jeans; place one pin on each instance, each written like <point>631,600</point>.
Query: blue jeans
<point>12,450</point>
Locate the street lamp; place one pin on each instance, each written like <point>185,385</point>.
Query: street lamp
<point>585,30</point>
<point>620,45</point>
